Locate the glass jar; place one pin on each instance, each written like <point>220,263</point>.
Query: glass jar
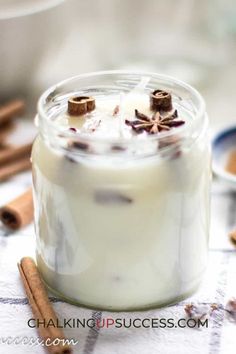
<point>122,225</point>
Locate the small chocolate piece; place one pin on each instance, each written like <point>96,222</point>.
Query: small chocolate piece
<point>69,158</point>
<point>73,129</point>
<point>111,197</point>
<point>117,148</point>
<point>78,145</point>
<point>80,105</point>
<point>160,101</point>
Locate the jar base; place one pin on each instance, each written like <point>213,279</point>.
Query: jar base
<point>152,306</point>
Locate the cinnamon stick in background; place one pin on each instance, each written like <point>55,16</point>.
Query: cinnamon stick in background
<point>11,110</point>
<point>13,153</point>
<point>11,169</point>
<point>19,212</point>
<point>232,236</point>
<point>40,305</point>
<point>5,131</point>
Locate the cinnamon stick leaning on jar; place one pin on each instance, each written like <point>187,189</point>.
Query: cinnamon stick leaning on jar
<point>41,306</point>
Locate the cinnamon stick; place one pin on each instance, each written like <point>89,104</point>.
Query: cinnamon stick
<point>14,167</point>
<point>40,305</point>
<point>11,110</point>
<point>5,131</point>
<point>19,212</point>
<point>13,153</point>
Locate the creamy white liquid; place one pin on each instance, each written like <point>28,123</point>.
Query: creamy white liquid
<point>121,234</point>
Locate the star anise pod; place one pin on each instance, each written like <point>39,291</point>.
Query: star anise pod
<point>154,124</point>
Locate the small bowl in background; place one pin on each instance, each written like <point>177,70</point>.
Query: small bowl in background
<point>223,144</point>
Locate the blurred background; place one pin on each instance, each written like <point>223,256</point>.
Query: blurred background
<point>45,41</point>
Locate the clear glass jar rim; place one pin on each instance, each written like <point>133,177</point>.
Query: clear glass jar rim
<point>200,112</point>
